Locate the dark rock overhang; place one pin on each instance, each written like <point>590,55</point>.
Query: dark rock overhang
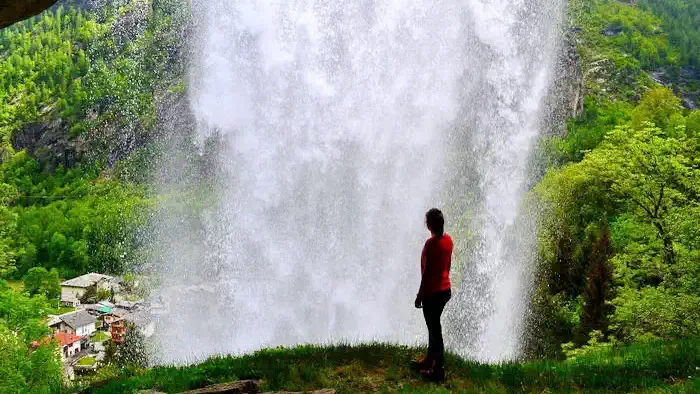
<point>12,11</point>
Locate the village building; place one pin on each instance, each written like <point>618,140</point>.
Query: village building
<point>139,320</point>
<point>54,322</point>
<point>68,343</point>
<point>129,305</point>
<point>74,289</point>
<point>117,329</point>
<point>114,316</point>
<point>80,323</point>
<point>96,309</point>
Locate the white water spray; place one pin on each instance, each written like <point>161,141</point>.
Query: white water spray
<point>338,121</point>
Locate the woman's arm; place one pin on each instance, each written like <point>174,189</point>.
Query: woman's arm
<point>424,264</point>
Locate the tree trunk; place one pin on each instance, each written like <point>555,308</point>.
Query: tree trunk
<point>669,254</point>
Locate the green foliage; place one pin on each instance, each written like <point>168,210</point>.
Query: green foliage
<point>71,220</point>
<point>23,370</point>
<point>132,352</point>
<point>626,47</point>
<point>628,163</point>
<point>682,22</point>
<point>89,296</point>
<point>8,225</point>
<point>587,130</point>
<point>660,107</point>
<point>40,281</point>
<point>619,42</point>
<point>42,63</point>
<point>90,69</point>
<point>644,181</point>
<point>104,295</point>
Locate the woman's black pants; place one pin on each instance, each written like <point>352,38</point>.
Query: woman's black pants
<point>433,305</point>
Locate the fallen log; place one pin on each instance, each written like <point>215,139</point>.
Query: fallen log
<point>323,391</point>
<point>239,387</point>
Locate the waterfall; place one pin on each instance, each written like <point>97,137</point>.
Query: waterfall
<point>338,124</point>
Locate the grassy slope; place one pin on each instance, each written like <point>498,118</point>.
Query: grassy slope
<point>652,368</point>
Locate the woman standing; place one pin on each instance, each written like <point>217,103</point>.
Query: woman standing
<point>434,292</point>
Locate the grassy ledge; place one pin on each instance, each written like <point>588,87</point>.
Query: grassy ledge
<point>660,367</point>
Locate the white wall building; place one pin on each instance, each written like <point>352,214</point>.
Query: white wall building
<point>69,344</point>
<point>79,323</point>
<point>74,289</point>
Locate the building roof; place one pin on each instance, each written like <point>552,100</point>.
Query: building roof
<point>65,338</point>
<point>78,318</point>
<point>86,280</point>
<point>53,320</point>
<point>138,318</point>
<point>104,309</point>
<point>107,304</point>
<point>119,312</point>
<point>97,308</point>
<point>128,304</point>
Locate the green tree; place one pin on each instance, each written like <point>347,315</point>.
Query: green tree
<point>652,171</point>
<point>23,370</point>
<point>660,107</point>
<point>132,352</point>
<point>40,281</point>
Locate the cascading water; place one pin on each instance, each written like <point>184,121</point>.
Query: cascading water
<point>340,123</point>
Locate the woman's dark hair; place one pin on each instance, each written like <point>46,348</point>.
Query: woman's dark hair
<point>435,221</point>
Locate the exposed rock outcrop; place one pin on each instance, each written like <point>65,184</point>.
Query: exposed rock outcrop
<point>565,97</point>
<point>12,11</point>
<point>50,143</point>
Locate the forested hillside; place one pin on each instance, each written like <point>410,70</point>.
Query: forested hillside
<point>78,96</point>
<point>619,230</point>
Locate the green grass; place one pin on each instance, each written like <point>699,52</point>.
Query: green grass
<point>87,360</point>
<point>100,336</point>
<point>670,367</point>
<point>63,309</point>
<point>16,285</point>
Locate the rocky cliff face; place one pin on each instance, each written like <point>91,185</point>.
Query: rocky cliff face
<point>565,97</point>
<point>49,142</point>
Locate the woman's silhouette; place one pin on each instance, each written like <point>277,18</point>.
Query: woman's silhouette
<point>434,292</point>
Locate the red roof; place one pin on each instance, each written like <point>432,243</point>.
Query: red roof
<point>65,338</point>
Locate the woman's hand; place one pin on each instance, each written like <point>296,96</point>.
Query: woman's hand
<point>418,302</point>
